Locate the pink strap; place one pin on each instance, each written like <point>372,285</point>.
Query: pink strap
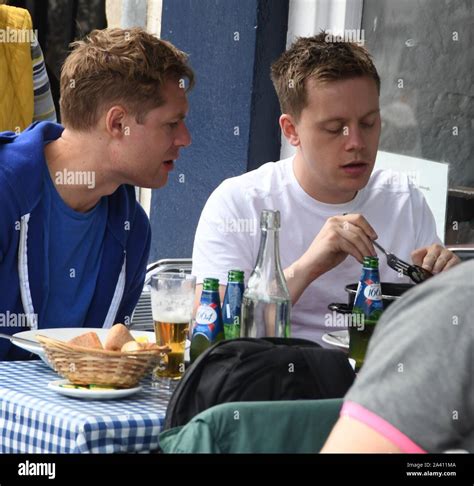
<point>381,426</point>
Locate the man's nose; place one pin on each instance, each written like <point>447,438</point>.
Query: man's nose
<point>183,137</point>
<point>355,138</point>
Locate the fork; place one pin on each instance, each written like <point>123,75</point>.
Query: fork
<point>415,272</point>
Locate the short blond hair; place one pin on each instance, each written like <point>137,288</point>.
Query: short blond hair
<point>109,66</point>
<point>320,60</point>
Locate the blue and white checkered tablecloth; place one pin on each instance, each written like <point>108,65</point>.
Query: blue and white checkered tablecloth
<point>35,419</point>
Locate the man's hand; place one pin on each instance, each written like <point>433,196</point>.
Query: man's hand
<point>434,258</point>
<point>340,236</point>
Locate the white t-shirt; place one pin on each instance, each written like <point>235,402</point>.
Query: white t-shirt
<point>228,233</point>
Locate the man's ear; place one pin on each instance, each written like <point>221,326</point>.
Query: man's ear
<point>288,127</point>
<point>115,121</point>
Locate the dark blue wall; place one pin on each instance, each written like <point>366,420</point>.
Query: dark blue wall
<point>233,89</point>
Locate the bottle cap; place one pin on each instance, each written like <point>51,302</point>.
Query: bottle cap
<point>371,262</point>
<point>235,276</point>
<point>270,219</point>
<point>210,284</point>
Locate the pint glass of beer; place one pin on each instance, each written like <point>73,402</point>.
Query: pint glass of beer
<point>172,299</point>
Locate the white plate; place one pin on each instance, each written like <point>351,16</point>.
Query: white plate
<point>91,394</point>
<point>337,338</point>
<point>67,333</point>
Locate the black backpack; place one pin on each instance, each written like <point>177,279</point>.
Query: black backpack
<point>264,369</point>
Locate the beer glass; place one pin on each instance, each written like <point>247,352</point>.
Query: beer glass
<point>172,299</point>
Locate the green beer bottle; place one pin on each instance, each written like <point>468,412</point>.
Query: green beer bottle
<point>366,311</point>
<point>208,328</point>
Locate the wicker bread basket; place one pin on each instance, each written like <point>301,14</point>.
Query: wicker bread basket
<point>86,366</point>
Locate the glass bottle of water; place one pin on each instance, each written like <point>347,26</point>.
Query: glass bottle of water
<point>266,303</point>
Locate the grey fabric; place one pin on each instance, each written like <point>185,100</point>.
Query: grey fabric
<point>419,370</point>
<point>44,108</point>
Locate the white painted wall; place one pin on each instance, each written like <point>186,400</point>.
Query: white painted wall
<point>113,12</point>
<point>153,21</point>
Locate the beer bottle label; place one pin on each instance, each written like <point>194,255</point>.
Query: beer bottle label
<point>206,314</point>
<point>208,327</point>
<point>373,291</point>
<point>208,322</point>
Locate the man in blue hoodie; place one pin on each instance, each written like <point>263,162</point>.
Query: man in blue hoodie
<point>74,242</point>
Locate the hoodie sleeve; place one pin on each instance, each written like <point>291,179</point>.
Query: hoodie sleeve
<point>9,218</point>
<point>9,287</point>
<point>138,250</point>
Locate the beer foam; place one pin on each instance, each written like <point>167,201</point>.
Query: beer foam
<point>178,316</point>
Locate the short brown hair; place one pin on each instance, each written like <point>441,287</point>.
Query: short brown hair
<point>109,66</point>
<point>317,59</point>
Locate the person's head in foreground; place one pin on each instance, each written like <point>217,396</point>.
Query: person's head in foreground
<point>415,391</point>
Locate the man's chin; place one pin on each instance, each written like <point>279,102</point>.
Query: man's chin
<point>358,183</point>
<point>159,185</point>
<point>352,187</point>
<point>153,185</point>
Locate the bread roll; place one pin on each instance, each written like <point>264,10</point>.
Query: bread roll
<point>87,340</point>
<point>117,337</point>
<point>131,346</point>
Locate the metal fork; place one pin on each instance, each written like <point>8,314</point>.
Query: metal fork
<point>415,272</point>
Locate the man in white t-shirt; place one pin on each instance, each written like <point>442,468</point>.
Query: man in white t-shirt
<point>332,206</point>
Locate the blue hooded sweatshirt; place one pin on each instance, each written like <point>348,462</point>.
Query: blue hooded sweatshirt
<point>24,223</point>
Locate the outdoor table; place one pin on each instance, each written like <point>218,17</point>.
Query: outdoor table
<point>35,419</point>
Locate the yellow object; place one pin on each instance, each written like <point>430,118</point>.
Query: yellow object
<point>100,387</point>
<point>88,387</point>
<point>141,339</point>
<point>16,69</point>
